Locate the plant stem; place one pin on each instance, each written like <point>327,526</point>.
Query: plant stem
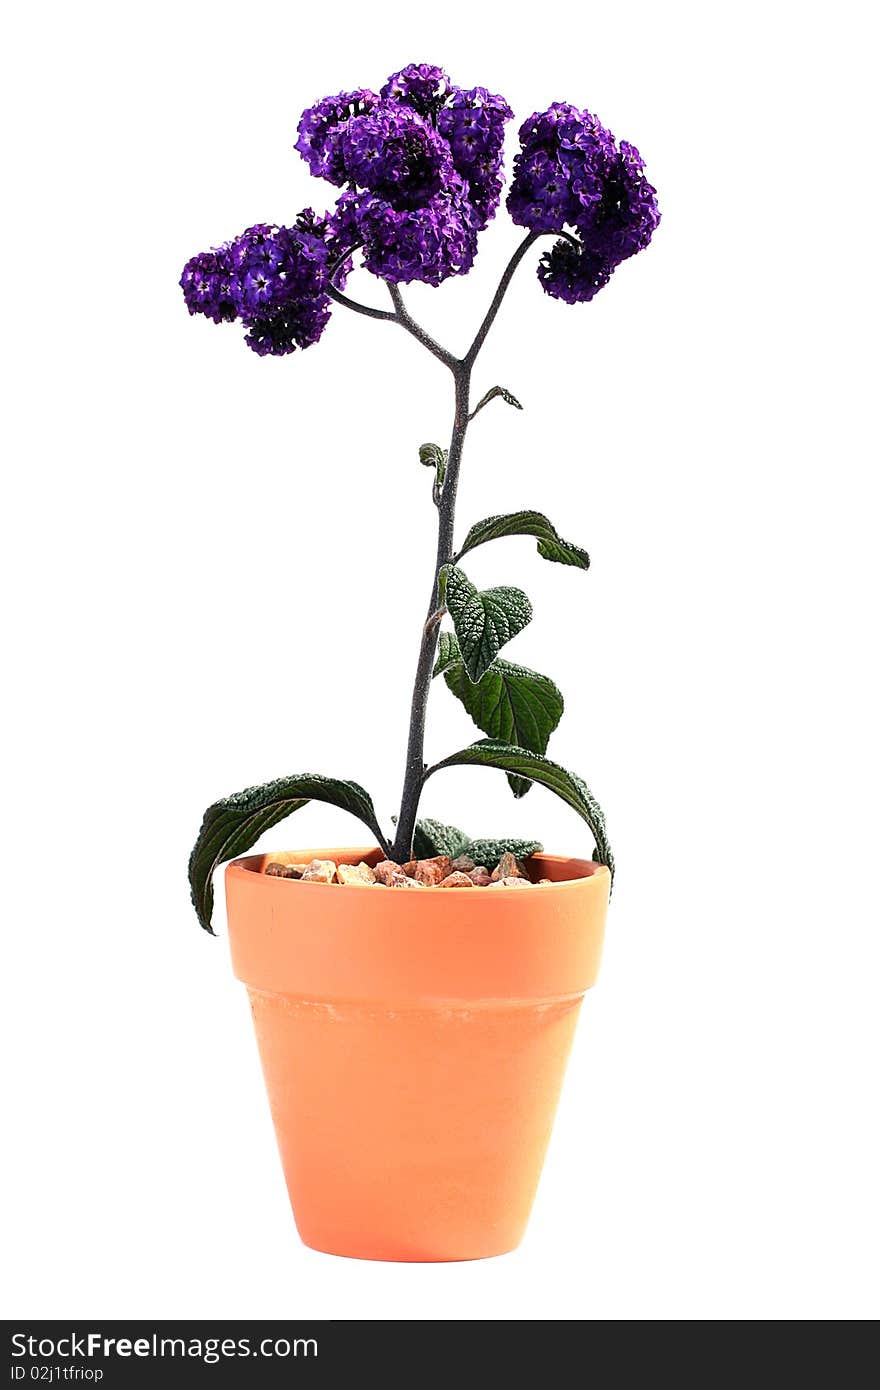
<point>445,497</point>
<point>354,304</point>
<point>366,309</point>
<point>483,330</point>
<point>415,751</point>
<point>402,314</point>
<point>414,774</point>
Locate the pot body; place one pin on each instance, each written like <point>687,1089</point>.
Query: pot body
<point>413,1044</point>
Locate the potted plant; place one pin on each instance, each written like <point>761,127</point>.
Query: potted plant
<point>413,1043</point>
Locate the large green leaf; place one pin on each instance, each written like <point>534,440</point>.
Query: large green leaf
<point>484,619</point>
<point>231,826</point>
<point>522,763</point>
<point>550,544</point>
<point>510,703</point>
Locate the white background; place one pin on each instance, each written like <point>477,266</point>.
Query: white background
<point>215,567</point>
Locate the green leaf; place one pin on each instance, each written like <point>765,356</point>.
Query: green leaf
<point>489,852</point>
<point>550,544</point>
<point>430,455</point>
<point>231,826</point>
<point>491,395</point>
<point>484,619</point>
<point>522,763</point>
<point>448,653</point>
<point>432,837</point>
<point>433,456</point>
<point>509,703</point>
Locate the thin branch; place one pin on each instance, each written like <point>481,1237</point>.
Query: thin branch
<point>366,309</point>
<point>482,331</point>
<point>341,259</point>
<point>503,286</point>
<point>353,304</point>
<point>405,319</point>
<point>565,236</point>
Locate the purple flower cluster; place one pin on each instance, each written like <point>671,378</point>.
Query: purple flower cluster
<point>421,86</point>
<point>473,122</point>
<point>319,124</point>
<point>207,285</point>
<point>421,166</point>
<point>571,174</point>
<point>439,239</point>
<point>274,279</point>
<point>396,154</point>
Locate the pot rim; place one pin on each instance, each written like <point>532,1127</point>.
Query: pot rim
<point>313,942</point>
<point>255,864</point>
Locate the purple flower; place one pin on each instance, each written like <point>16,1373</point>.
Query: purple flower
<point>272,278</point>
<point>207,285</point>
<point>396,154</point>
<point>473,123</point>
<point>420,86</point>
<point>259,259</point>
<point>421,164</point>
<point>573,273</point>
<point>559,148</point>
<point>540,197</point>
<point>428,244</point>
<point>570,173</point>
<point>298,325</point>
<point>625,216</point>
<point>320,129</point>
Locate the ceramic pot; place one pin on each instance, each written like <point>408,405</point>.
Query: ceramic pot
<point>413,1045</point>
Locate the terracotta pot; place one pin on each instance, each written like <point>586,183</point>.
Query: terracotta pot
<point>413,1045</point>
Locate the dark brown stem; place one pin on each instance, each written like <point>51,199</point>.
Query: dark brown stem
<point>357,308</point>
<point>461,369</point>
<point>445,498</point>
<point>402,314</point>
<point>482,332</point>
<point>353,304</point>
<point>415,752</point>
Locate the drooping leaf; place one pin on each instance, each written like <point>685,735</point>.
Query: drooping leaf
<point>510,703</point>
<point>434,456</point>
<point>489,852</point>
<point>484,619</point>
<point>432,837</point>
<point>491,395</point>
<point>232,825</point>
<point>550,544</point>
<point>430,455</point>
<point>522,763</point>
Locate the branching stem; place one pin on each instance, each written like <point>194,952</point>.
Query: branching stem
<point>405,319</point>
<point>445,498</point>
<point>353,304</point>
<point>357,308</point>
